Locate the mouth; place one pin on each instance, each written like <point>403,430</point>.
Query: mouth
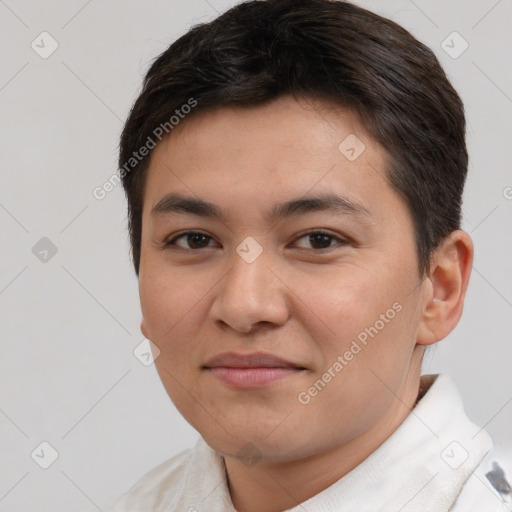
<point>251,370</point>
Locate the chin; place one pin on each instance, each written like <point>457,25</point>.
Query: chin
<point>255,441</point>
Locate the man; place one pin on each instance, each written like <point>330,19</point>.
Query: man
<point>294,173</point>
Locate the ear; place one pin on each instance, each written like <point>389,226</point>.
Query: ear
<point>143,329</point>
<point>450,268</point>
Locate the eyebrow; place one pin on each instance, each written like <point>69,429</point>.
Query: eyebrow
<point>176,203</point>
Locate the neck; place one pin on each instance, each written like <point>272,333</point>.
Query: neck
<point>276,487</point>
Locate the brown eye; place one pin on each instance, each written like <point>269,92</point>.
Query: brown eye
<point>319,240</point>
<point>191,240</point>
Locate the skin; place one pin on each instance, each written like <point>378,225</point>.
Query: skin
<point>297,300</point>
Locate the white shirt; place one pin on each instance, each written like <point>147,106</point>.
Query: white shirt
<point>433,462</point>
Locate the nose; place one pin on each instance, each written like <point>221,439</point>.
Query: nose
<point>251,295</point>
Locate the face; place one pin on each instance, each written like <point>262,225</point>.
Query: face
<point>278,277</point>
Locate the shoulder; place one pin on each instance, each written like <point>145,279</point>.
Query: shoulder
<point>164,482</point>
<point>487,489</point>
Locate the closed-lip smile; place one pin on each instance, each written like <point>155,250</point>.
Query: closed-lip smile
<point>253,370</point>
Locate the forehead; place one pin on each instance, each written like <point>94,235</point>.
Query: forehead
<point>262,155</point>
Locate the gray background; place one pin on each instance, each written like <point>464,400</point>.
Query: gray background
<point>70,322</point>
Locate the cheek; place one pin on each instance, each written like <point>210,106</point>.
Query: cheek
<point>170,300</point>
<point>375,350</point>
<point>343,303</point>
<point>173,309</point>
<point>370,315</point>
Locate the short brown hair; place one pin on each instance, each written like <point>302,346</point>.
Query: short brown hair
<point>260,50</point>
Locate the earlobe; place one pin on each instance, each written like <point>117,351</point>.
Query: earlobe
<point>450,269</point>
<point>143,329</point>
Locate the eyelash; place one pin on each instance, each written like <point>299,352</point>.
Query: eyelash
<point>169,244</point>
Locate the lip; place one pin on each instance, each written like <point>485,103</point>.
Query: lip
<point>253,370</point>
<point>252,360</point>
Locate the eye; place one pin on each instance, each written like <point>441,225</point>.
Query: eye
<point>195,240</point>
<point>319,240</point>
<point>190,240</point>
